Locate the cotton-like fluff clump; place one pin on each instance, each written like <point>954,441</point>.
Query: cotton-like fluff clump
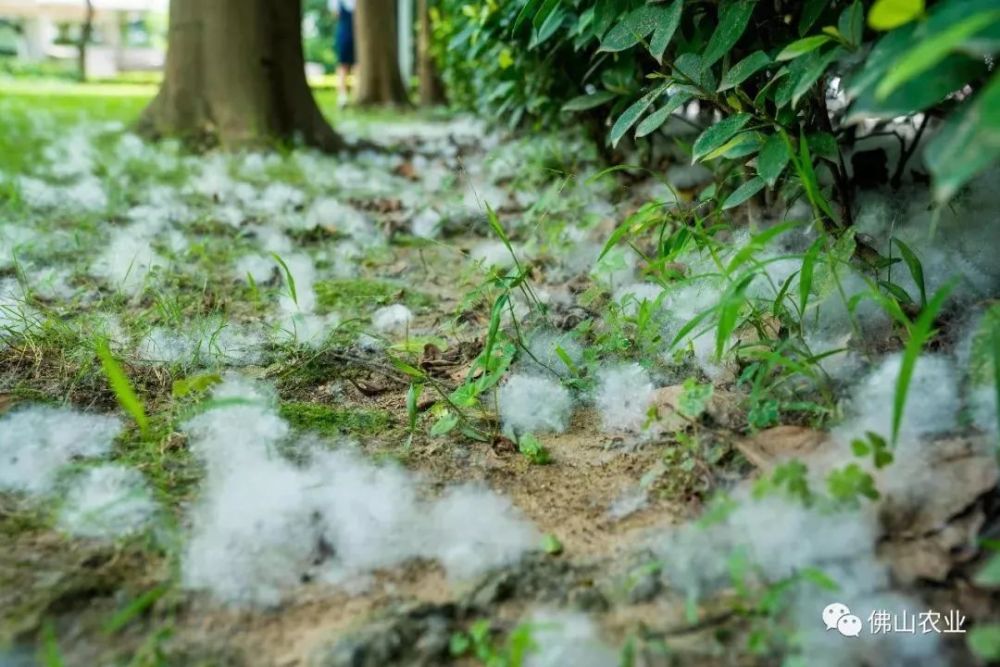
<point>107,501</point>
<point>277,198</point>
<point>426,224</point>
<point>779,537</point>
<point>37,442</point>
<point>128,259</point>
<point>542,355</point>
<point>983,408</point>
<point>471,530</point>
<point>86,196</point>
<point>198,342</point>
<point>247,427</point>
<point>264,525</point>
<point>298,321</point>
<point>260,268</point>
<point>492,254</point>
<point>12,239</point>
<point>329,213</point>
<point>932,403</point>
<point>254,535</point>
<point>38,194</point>
<point>532,404</point>
<point>394,319</point>
<point>566,638</point>
<point>624,394</point>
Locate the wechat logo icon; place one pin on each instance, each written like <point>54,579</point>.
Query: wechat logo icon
<point>837,616</point>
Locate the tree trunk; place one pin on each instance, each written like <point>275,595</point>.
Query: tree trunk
<point>235,75</point>
<point>431,88</point>
<point>86,32</point>
<point>377,41</point>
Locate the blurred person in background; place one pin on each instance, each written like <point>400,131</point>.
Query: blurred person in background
<point>344,46</point>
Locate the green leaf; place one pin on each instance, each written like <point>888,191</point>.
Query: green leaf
<point>546,10</point>
<point>806,274</point>
<point>927,90</point>
<point>551,544</point>
<point>919,333</point>
<point>196,384</point>
<point>812,74</point>
<point>529,10</point>
<point>968,143</point>
<point>694,398</point>
<point>744,192</point>
<point>631,115</point>
<point>667,20</point>
<point>773,159</point>
<point>744,69</point>
<point>824,145</point>
<point>733,19</point>
<point>851,23</point>
<point>444,424</point>
<point>533,450</point>
<point>811,11</point>
<point>636,25</point>
<point>989,574</point>
<point>134,609</point>
<point>889,14</point>
<point>584,102</point>
<point>741,145</point>
<point>653,121</point>
<point>984,641</point>
<point>916,269</point>
<point>49,654</point>
<point>121,386</point>
<point>932,50</point>
<point>718,134</point>
<point>729,312</point>
<point>804,168</point>
<point>412,398</point>
<point>605,13</point>
<point>547,29</point>
<point>801,47</point>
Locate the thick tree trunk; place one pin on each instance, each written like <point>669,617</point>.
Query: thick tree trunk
<point>377,42</point>
<point>235,75</point>
<point>431,88</point>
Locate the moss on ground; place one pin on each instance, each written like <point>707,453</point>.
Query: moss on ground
<point>325,420</point>
<point>361,293</point>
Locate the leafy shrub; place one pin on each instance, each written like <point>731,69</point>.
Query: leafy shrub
<point>762,74</point>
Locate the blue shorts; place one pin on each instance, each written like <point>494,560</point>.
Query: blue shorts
<point>343,44</point>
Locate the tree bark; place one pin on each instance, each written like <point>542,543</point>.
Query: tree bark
<point>235,76</point>
<point>431,88</point>
<point>377,43</point>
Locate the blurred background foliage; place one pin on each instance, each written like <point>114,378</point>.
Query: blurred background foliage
<point>781,86</point>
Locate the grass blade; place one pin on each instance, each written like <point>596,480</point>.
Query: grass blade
<point>916,269</point>
<point>288,277</point>
<point>121,386</point>
<point>920,332</point>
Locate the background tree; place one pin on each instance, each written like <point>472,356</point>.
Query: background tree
<point>86,34</point>
<point>431,87</point>
<point>235,74</point>
<point>377,44</point>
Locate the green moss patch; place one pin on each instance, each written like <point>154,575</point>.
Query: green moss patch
<point>356,293</point>
<point>329,421</point>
